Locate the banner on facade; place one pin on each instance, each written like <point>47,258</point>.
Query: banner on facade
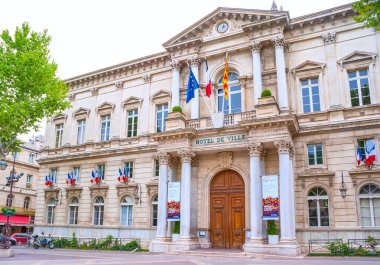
<point>270,198</point>
<point>174,201</point>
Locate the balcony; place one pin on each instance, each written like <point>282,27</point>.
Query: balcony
<point>229,120</point>
<point>22,211</point>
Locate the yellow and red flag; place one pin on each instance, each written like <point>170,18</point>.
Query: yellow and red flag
<point>225,79</point>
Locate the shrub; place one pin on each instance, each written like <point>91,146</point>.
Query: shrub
<point>130,246</point>
<point>272,228</point>
<point>177,109</point>
<point>74,241</point>
<point>266,93</point>
<point>177,227</point>
<point>338,248</point>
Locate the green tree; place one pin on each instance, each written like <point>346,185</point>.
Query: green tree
<point>369,13</point>
<point>29,87</point>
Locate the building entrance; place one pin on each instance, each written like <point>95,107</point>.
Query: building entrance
<point>227,220</point>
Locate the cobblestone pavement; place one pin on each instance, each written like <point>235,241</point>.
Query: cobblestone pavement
<point>76,257</point>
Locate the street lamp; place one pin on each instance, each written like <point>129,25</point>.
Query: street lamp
<point>343,188</point>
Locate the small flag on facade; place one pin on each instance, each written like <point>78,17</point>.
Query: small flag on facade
<point>225,79</point>
<point>208,81</point>
<point>191,86</point>
<point>370,152</point>
<point>68,178</point>
<point>359,156</point>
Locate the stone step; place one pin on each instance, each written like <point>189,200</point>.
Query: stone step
<point>205,253</point>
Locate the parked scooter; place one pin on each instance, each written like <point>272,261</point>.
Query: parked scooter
<point>42,242</point>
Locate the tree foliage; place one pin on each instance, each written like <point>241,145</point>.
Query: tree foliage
<point>29,87</point>
<point>369,13</point>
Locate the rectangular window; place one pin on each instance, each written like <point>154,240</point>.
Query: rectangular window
<point>98,214</point>
<point>154,214</point>
<point>29,179</point>
<point>105,125</point>
<point>315,154</point>
<point>126,215</point>
<point>359,87</point>
<point>58,135</point>
<point>81,130</point>
<point>54,175</point>
<point>156,168</point>
<point>132,123</point>
<point>129,166</point>
<point>310,95</point>
<point>101,169</point>
<point>362,144</point>
<point>76,171</point>
<point>73,214</point>
<point>31,158</point>
<point>162,115</point>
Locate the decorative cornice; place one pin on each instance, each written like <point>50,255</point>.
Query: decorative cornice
<point>255,46</point>
<point>71,96</point>
<point>255,149</point>
<point>283,146</point>
<point>316,172</point>
<point>329,37</point>
<point>176,65</point>
<point>279,41</point>
<point>119,84</point>
<point>186,155</point>
<point>162,158</point>
<point>94,91</point>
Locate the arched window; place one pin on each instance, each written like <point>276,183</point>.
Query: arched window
<point>233,104</point>
<point>318,202</point>
<point>26,202</point>
<point>126,211</point>
<point>154,211</point>
<point>369,196</point>
<point>50,208</point>
<point>98,210</point>
<point>9,201</point>
<point>73,211</point>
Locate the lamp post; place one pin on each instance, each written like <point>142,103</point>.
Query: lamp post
<point>5,244</point>
<point>343,188</point>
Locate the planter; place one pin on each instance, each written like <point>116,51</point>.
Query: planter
<point>175,121</point>
<point>267,107</point>
<point>273,239</point>
<point>175,237</point>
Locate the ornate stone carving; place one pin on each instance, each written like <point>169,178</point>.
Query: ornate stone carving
<point>94,91</point>
<point>255,149</point>
<point>174,161</point>
<point>71,96</point>
<point>176,65</point>
<point>186,155</point>
<point>329,37</point>
<point>283,146</point>
<point>255,46</point>
<point>98,190</point>
<point>74,192</point>
<point>193,61</point>
<point>52,192</point>
<point>119,84</point>
<point>278,41</point>
<point>195,161</point>
<point>146,78</point>
<point>162,158</point>
<point>225,159</point>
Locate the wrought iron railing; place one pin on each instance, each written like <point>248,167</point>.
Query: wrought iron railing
<point>326,246</point>
<point>369,246</point>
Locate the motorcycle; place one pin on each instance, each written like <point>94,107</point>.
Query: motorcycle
<point>44,242</point>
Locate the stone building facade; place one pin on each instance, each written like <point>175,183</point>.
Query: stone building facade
<point>25,190</point>
<point>323,72</point>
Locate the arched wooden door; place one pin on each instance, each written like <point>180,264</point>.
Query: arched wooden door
<point>227,211</point>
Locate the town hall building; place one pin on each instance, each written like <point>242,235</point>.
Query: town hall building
<point>323,71</point>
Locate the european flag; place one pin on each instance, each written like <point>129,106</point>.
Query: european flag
<point>192,84</point>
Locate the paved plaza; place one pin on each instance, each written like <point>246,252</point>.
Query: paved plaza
<point>74,257</point>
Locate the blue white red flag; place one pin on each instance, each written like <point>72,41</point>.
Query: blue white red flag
<point>208,81</point>
<point>359,157</point>
<point>370,152</point>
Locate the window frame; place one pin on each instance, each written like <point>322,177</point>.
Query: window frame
<point>153,210</point>
<point>163,119</point>
<point>370,197</point>
<point>135,120</point>
<point>310,86</point>
<point>318,198</point>
<point>26,201</point>
<point>358,78</point>
<point>58,135</point>
<point>233,83</point>
<point>81,131</point>
<point>156,168</point>
<point>105,135</point>
<point>129,205</point>
<point>28,180</point>
<point>315,154</point>
<point>54,177</point>
<point>100,217</point>
<point>50,206</point>
<point>79,171</point>
<point>130,164</point>
<point>32,157</point>
<point>76,212</point>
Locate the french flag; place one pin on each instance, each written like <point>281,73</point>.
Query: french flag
<point>47,180</point>
<point>208,81</point>
<point>92,177</point>
<point>68,178</point>
<point>121,175</point>
<point>370,152</point>
<point>126,174</point>
<point>73,179</point>
<point>359,156</point>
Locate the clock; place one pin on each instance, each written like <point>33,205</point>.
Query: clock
<point>222,27</point>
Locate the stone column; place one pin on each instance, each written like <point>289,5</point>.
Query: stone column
<point>256,47</point>
<point>287,211</point>
<point>255,151</point>
<point>279,44</point>
<point>194,62</point>
<point>162,195</point>
<point>176,68</point>
<point>185,155</point>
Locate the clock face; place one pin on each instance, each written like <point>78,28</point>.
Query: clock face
<point>222,27</point>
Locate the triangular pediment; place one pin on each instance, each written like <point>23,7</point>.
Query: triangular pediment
<point>60,117</point>
<point>106,106</point>
<point>81,112</point>
<point>235,18</point>
<point>358,56</point>
<point>308,66</point>
<point>132,102</point>
<point>161,96</point>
